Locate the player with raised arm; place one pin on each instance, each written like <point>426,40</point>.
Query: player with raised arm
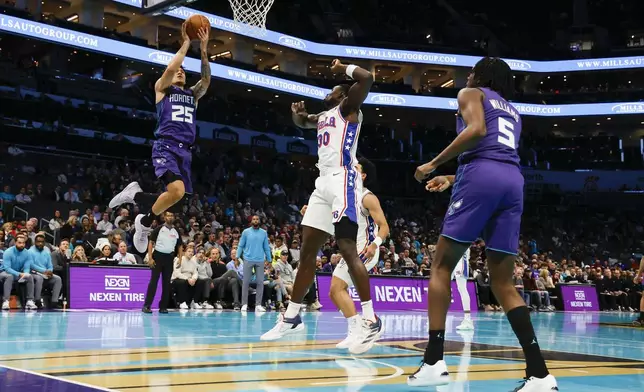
<point>487,199</point>
<point>334,205</point>
<point>372,230</point>
<point>639,279</point>
<point>176,133</point>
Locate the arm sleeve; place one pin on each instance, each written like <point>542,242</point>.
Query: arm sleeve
<point>155,234</point>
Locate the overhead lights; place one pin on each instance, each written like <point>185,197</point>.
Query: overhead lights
<point>608,118</point>
<point>72,18</point>
<point>399,120</point>
<point>380,115</point>
<point>574,119</point>
<point>555,125</point>
<point>598,124</point>
<point>249,90</point>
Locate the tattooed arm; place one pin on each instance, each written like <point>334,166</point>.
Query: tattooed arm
<point>201,87</point>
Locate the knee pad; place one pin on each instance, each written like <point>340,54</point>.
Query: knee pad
<point>346,229</point>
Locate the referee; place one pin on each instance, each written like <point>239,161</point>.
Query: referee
<point>165,244</point>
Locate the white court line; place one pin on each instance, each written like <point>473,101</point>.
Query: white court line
<point>82,384</point>
<point>398,371</point>
<point>148,338</point>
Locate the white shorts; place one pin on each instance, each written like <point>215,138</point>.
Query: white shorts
<point>341,271</point>
<point>336,195</point>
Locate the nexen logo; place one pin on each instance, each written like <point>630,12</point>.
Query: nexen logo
<point>160,57</point>
<point>292,42</point>
<point>628,108</point>
<point>388,99</point>
<point>518,64</point>
<point>117,282</point>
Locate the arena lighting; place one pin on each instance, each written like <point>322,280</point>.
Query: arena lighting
<point>449,83</point>
<point>78,40</point>
<point>404,56</point>
<point>222,54</point>
<point>72,18</point>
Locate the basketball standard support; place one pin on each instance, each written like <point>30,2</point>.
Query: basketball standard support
<point>160,7</point>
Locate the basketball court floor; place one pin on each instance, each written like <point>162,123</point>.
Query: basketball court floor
<point>210,351</point>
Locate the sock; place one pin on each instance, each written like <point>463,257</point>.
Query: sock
<point>292,310</point>
<point>148,219</point>
<point>467,316</point>
<point>435,347</point>
<point>519,319</point>
<point>145,199</point>
<point>367,310</point>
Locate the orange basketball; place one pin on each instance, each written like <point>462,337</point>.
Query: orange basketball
<point>194,23</point>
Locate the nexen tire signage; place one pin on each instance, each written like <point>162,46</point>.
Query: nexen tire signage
<point>397,293</point>
<point>95,287</point>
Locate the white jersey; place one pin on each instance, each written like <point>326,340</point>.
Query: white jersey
<point>367,228</point>
<point>462,269</point>
<point>337,140</point>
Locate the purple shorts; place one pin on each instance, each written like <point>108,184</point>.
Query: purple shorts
<point>487,202</point>
<point>170,156</point>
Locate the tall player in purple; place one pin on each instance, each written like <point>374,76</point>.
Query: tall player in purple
<point>487,202</point>
<point>175,132</point>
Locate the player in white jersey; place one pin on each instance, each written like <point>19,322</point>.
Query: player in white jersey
<point>371,226</point>
<point>334,205</point>
<point>460,274</point>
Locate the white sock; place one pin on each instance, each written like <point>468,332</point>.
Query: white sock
<point>467,316</point>
<point>461,284</point>
<point>367,311</point>
<point>292,310</point>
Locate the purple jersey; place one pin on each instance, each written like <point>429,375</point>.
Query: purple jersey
<point>176,116</point>
<point>503,125</point>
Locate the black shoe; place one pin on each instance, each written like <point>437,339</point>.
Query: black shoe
<point>39,304</point>
<point>146,309</point>
<point>163,310</point>
<point>55,305</point>
<point>236,307</point>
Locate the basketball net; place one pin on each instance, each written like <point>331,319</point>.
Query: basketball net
<point>251,14</point>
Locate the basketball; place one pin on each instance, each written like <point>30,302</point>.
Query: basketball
<point>194,23</point>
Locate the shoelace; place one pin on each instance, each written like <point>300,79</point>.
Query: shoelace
<point>523,383</point>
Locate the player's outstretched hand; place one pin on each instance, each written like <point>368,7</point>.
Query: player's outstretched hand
<point>423,171</point>
<point>204,36</point>
<point>438,184</point>
<point>337,66</point>
<point>298,108</point>
<point>184,32</point>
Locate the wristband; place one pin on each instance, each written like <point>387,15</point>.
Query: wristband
<point>350,69</point>
<point>378,241</point>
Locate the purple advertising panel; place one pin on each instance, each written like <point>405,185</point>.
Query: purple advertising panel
<point>397,294</point>
<point>109,287</point>
<point>579,298</point>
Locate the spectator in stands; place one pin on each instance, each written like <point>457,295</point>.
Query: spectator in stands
<point>286,273</point>
<point>211,243</point>
<point>204,280</point>
<point>71,196</point>
<point>184,278</point>
<point>619,292</point>
<point>124,214</point>
<point>272,281</point>
<point>278,248</point>
<point>16,265</point>
<point>122,256</point>
<point>30,229</point>
<point>6,196</point>
<point>86,225</point>
<point>42,270</point>
<point>78,256</point>
<point>254,250</point>
<point>70,228</point>
<point>237,265</point>
<point>2,220</point>
<point>60,260</point>
<point>22,197</point>
<point>106,255</point>
<point>57,194</point>
<point>295,252</point>
<point>56,222</point>
<point>105,226</point>
<point>164,245</point>
<point>330,266</point>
